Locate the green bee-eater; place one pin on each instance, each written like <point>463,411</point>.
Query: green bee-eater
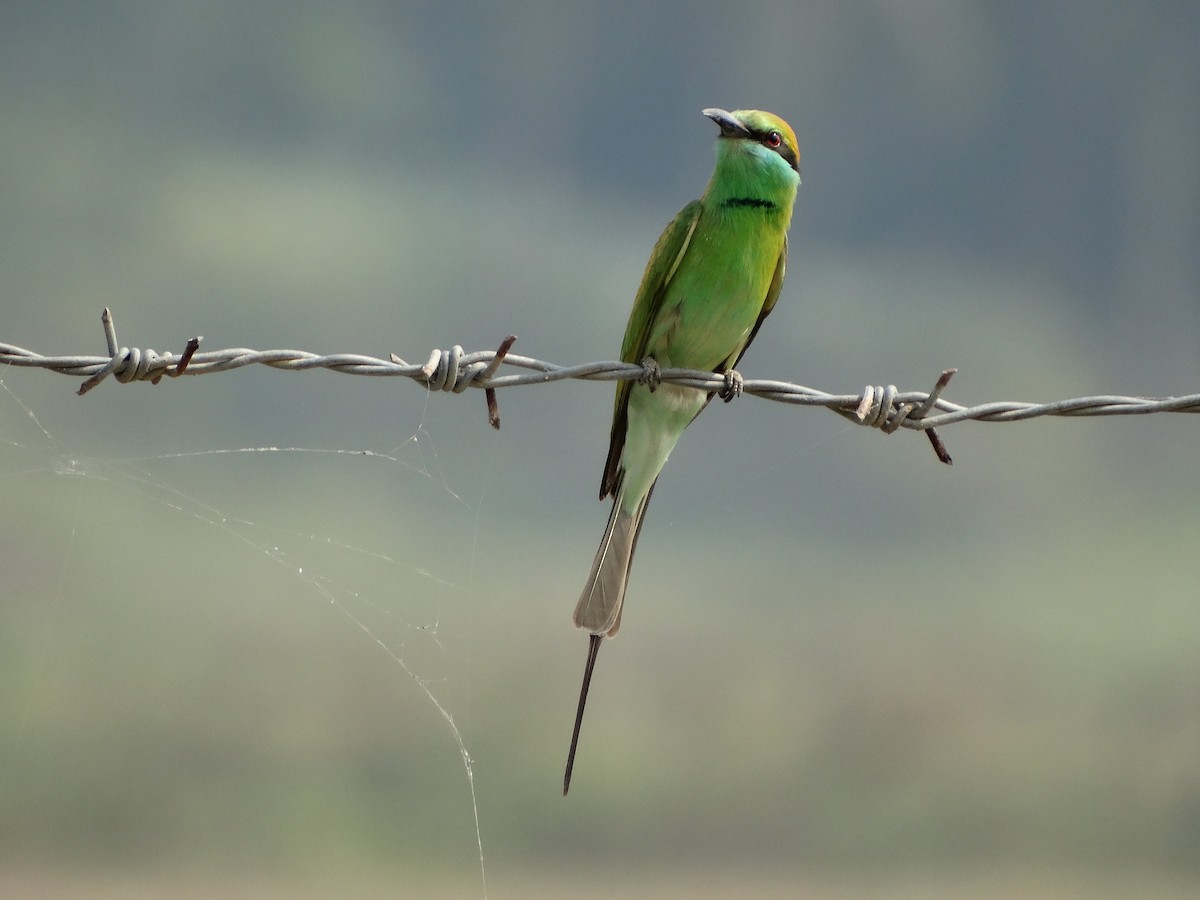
<point>713,277</point>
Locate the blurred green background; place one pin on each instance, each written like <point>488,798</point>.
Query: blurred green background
<point>846,670</point>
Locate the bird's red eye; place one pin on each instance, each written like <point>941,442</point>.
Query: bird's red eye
<point>774,140</point>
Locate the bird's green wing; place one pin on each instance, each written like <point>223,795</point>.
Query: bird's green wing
<point>768,303</point>
<point>664,261</point>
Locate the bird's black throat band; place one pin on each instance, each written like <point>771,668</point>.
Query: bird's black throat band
<point>750,202</point>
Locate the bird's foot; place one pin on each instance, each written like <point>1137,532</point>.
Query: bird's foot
<point>732,387</point>
<point>651,374</point>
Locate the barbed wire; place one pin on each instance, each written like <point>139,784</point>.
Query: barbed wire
<point>883,407</point>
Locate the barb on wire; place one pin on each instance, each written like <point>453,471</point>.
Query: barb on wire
<point>886,408</point>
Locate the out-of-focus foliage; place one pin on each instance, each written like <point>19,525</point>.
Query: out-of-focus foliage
<point>843,665</point>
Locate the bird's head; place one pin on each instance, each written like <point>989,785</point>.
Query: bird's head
<point>762,134</point>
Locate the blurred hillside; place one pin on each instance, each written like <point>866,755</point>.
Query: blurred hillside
<point>845,669</point>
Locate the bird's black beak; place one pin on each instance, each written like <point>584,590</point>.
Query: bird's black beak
<point>730,127</point>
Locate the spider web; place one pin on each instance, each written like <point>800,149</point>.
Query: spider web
<point>256,538</point>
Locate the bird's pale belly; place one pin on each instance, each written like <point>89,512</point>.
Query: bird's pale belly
<point>656,420</point>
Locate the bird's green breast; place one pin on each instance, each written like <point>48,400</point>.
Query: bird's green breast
<point>717,293</point>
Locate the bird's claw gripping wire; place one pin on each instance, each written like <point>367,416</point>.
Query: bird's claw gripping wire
<point>733,385</point>
<point>651,375</point>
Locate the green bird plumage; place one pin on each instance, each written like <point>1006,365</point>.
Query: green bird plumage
<point>713,277</point>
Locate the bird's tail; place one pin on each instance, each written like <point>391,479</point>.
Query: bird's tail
<point>599,608</point>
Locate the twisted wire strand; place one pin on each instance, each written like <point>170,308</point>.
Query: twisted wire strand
<point>883,407</point>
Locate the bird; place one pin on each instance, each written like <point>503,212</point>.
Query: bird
<point>713,277</point>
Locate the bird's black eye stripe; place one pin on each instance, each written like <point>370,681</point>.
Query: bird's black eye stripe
<point>773,140</point>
